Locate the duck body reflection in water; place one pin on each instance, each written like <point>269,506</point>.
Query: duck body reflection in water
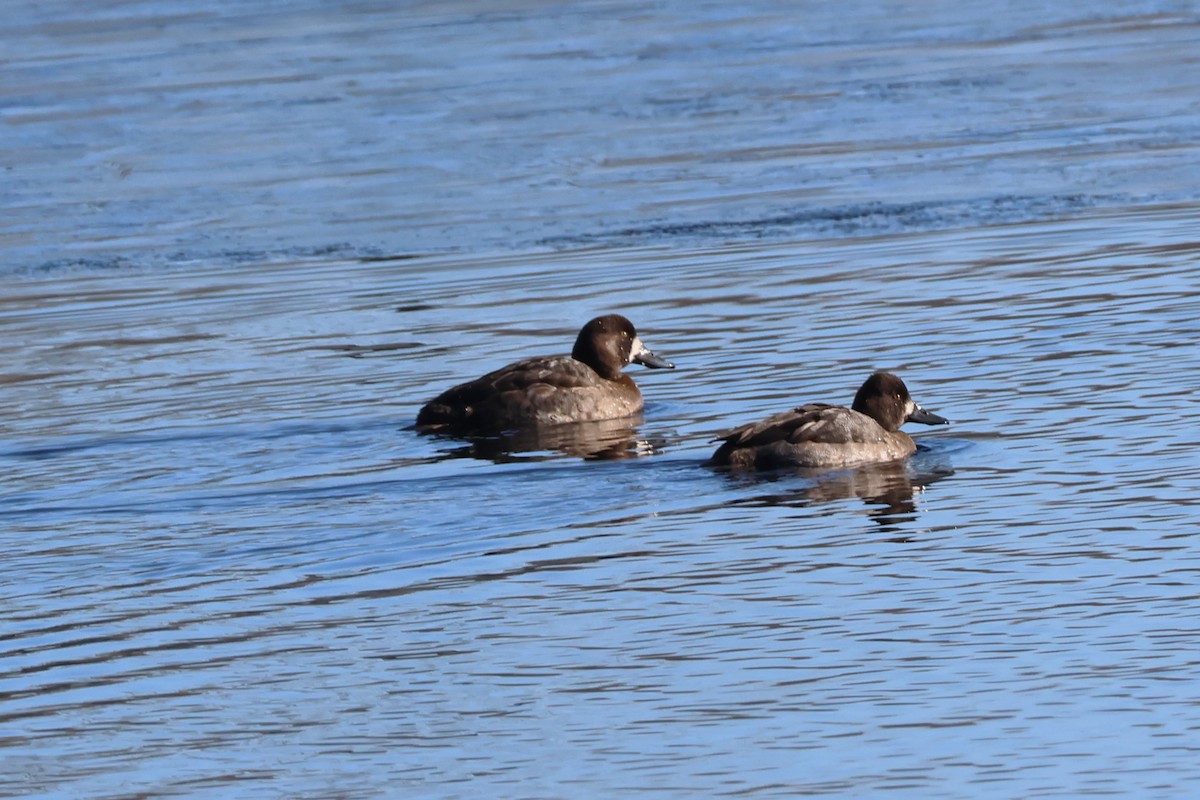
<point>888,490</point>
<point>602,440</point>
<point>586,386</point>
<point>824,435</point>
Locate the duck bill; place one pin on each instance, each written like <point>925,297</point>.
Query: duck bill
<point>924,417</point>
<point>641,355</point>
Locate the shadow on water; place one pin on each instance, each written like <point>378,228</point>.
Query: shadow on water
<point>604,440</point>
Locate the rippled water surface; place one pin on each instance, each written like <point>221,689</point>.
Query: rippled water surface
<point>242,248</point>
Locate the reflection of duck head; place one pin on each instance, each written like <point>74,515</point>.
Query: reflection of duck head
<point>602,440</point>
<point>888,490</point>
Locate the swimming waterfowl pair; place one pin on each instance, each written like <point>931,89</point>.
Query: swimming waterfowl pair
<point>588,385</point>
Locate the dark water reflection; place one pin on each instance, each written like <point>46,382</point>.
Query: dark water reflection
<point>889,493</point>
<point>231,570</point>
<point>604,440</point>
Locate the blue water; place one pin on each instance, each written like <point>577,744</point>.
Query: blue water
<point>243,245</point>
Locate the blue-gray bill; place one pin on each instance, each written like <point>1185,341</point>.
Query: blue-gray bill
<point>648,359</point>
<point>926,417</point>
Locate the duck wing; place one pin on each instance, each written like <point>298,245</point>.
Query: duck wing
<point>783,426</point>
<point>819,423</point>
<point>554,372</point>
<point>498,397</point>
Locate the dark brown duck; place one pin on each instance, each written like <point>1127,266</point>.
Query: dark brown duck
<point>823,435</point>
<point>586,386</point>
